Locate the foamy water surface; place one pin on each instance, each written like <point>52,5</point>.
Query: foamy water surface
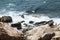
<point>16,16</point>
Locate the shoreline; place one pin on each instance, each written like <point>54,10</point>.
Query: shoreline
<point>42,30</point>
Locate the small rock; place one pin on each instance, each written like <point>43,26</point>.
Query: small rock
<point>31,22</point>
<point>17,25</point>
<point>22,16</point>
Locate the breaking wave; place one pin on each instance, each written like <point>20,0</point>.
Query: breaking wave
<point>16,16</point>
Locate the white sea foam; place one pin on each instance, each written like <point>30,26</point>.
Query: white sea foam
<point>16,16</point>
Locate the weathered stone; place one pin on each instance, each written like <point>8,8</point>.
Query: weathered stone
<point>9,33</point>
<point>7,37</point>
<point>48,36</point>
<point>2,31</point>
<point>17,25</point>
<point>40,23</point>
<point>3,24</point>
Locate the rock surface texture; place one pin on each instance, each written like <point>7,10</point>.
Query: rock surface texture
<point>46,31</point>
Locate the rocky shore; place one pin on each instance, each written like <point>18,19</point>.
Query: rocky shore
<point>44,30</point>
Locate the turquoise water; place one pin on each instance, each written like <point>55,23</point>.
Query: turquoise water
<point>23,5</point>
<point>36,10</point>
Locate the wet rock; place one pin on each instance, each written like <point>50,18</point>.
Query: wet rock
<point>17,25</point>
<point>22,21</point>
<point>48,36</point>
<point>50,22</point>
<point>22,16</point>
<point>40,23</point>
<point>6,19</point>
<point>31,22</point>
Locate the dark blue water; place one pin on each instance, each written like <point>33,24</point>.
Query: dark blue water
<point>23,5</point>
<point>46,9</point>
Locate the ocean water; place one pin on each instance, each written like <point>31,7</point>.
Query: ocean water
<point>33,10</point>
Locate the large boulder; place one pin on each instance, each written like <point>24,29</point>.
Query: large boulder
<point>10,30</point>
<point>40,33</point>
<point>26,29</point>
<point>9,33</point>
<point>6,19</point>
<point>17,25</point>
<point>34,34</point>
